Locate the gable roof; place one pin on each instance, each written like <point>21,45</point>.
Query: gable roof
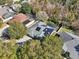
<point>66,36</point>
<point>7,15</point>
<point>72,48</point>
<point>70,42</point>
<point>20,17</point>
<point>3,10</point>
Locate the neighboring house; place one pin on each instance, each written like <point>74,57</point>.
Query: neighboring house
<point>6,13</point>
<point>22,18</point>
<point>40,30</point>
<point>15,7</point>
<point>3,10</point>
<point>7,16</point>
<point>71,44</point>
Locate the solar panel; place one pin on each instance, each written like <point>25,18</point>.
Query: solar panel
<point>38,28</point>
<point>47,31</point>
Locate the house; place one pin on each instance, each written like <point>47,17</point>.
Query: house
<point>15,7</point>
<point>6,13</point>
<point>7,16</point>
<point>71,44</point>
<point>3,10</point>
<point>73,48</point>
<point>40,30</point>
<point>22,18</point>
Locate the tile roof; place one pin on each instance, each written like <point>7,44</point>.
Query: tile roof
<point>20,17</point>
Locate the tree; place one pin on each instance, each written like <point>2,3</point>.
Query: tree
<point>8,50</point>
<point>49,48</point>
<point>26,8</point>
<point>53,45</point>
<point>9,2</point>
<point>54,19</point>
<point>41,15</point>
<point>16,30</point>
<point>75,25</point>
<point>71,16</point>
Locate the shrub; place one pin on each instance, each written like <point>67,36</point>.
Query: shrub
<point>26,8</point>
<point>54,20</point>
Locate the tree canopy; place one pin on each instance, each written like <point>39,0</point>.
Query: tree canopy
<point>50,48</point>
<point>16,30</point>
<point>26,8</point>
<point>6,2</point>
<point>8,50</point>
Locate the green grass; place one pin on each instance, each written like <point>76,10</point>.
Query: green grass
<point>63,29</point>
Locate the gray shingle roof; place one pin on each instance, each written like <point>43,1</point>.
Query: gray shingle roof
<point>70,42</point>
<point>70,45</point>
<point>65,37</point>
<point>3,10</point>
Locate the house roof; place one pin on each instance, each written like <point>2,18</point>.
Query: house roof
<point>73,48</point>
<point>7,15</point>
<point>20,17</point>
<point>4,9</point>
<point>66,36</point>
<point>71,41</point>
<point>39,30</point>
<point>14,7</point>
